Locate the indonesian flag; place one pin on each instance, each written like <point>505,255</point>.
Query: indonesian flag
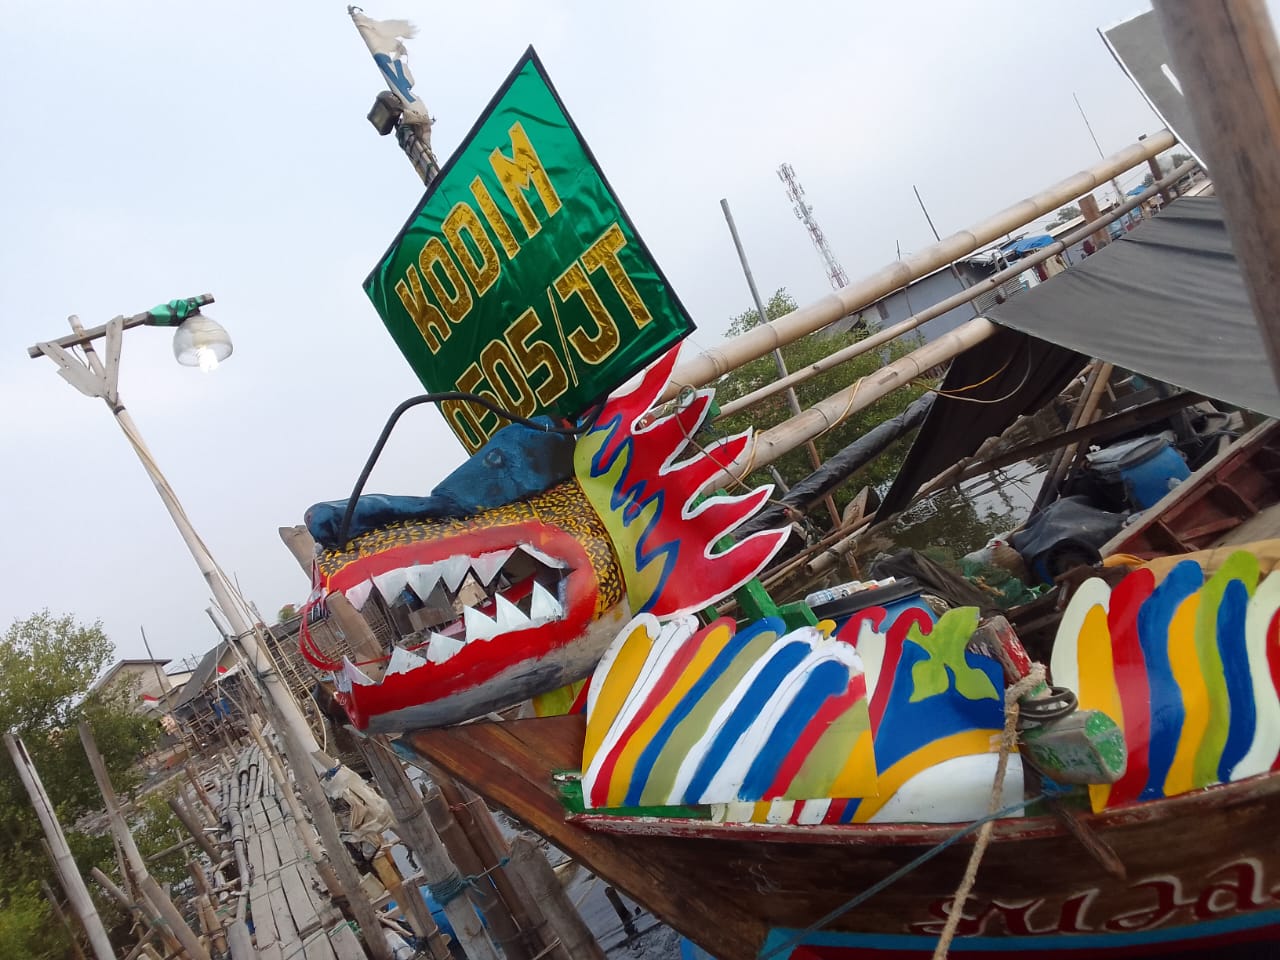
<point>383,37</point>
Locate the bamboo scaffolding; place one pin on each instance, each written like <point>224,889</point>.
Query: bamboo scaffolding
<point>761,340</point>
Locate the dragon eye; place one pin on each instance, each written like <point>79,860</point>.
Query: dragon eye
<point>494,458</point>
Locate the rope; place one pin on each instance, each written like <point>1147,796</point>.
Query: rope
<point>1008,740</point>
<point>456,884</point>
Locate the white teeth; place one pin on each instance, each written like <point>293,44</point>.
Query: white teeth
<point>402,661</point>
<point>487,565</point>
<point>391,584</point>
<point>354,674</point>
<point>509,616</point>
<point>479,627</point>
<point>544,608</point>
<point>359,594</point>
<point>543,558</point>
<point>440,648</point>
<point>453,570</point>
<point>423,578</point>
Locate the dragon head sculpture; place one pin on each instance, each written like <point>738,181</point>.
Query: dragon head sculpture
<point>515,575</point>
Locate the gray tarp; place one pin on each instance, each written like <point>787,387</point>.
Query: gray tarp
<point>1166,301</point>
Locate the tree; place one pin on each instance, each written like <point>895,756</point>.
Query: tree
<point>773,410</point>
<point>47,667</point>
<point>1148,180</point>
<point>287,612</point>
<point>1069,212</point>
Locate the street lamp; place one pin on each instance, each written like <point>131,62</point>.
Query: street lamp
<point>198,341</point>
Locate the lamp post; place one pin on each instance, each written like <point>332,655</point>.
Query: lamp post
<point>198,341</point>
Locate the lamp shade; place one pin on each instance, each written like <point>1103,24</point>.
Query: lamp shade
<point>201,342</point>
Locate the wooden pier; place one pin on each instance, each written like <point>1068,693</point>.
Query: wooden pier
<point>290,913</point>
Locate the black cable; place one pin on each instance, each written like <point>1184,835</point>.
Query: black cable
<point>442,397</point>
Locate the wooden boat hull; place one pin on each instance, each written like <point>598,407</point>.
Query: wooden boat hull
<point>1202,870</point>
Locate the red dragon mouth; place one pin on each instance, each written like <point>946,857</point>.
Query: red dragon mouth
<point>486,612</point>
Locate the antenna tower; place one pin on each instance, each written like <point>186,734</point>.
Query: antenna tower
<point>804,213</point>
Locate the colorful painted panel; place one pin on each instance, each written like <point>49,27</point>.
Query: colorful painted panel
<point>768,726</point>
<point>682,715</point>
<point>937,710</point>
<point>1188,667</point>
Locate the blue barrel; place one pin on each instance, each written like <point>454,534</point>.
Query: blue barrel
<point>1148,467</point>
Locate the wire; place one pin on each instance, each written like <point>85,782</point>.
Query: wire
<point>954,394</point>
<point>586,424</point>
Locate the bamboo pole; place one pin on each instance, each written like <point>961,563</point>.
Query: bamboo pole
<point>502,925</point>
<point>545,891</point>
<point>1226,57</point>
<point>477,822</point>
<point>987,284</point>
<point>194,827</point>
<point>151,890</point>
<point>63,919</point>
<point>758,341</point>
<point>771,444</point>
<point>414,827</point>
<point>63,863</point>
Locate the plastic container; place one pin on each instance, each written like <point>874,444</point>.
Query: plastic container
<point>1148,468</point>
<point>895,597</point>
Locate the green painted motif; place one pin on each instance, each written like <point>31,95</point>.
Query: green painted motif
<point>519,277</point>
<point>946,663</point>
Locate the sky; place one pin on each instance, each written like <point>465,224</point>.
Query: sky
<point>164,149</point>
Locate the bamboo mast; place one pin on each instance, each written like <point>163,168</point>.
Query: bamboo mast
<point>759,341</point>
<point>63,863</point>
<point>948,304</point>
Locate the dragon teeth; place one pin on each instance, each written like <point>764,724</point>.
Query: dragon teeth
<point>487,565</point>
<point>359,594</point>
<point>402,661</point>
<point>544,608</point>
<point>509,617</point>
<point>479,626</point>
<point>543,558</point>
<point>391,584</point>
<point>440,648</point>
<point>453,571</point>
<point>353,674</point>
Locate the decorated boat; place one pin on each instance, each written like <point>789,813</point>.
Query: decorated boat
<point>777,786</point>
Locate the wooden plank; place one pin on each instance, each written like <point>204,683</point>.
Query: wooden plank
<point>345,944</point>
<point>1228,64</point>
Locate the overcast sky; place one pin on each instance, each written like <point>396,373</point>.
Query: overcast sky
<point>162,149</point>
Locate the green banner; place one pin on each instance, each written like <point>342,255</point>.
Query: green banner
<point>519,277</point>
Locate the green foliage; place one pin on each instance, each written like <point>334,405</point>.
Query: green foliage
<point>287,612</point>
<point>1069,212</point>
<point>47,666</point>
<point>771,411</point>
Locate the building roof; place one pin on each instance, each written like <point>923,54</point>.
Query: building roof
<point>119,665</point>
<point>200,677</point>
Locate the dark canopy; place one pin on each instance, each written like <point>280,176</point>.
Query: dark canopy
<point>1166,301</point>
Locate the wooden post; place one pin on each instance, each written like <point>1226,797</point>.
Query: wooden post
<point>62,918</point>
<point>195,828</point>
<point>151,890</point>
<point>414,908</point>
<point>1089,208</point>
<point>63,863</point>
<point>201,794</point>
<point>502,925</point>
<point>413,826</point>
<point>347,878</point>
<point>477,822</point>
<point>1166,197</point>
<point>1226,58</point>
<point>544,887</point>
